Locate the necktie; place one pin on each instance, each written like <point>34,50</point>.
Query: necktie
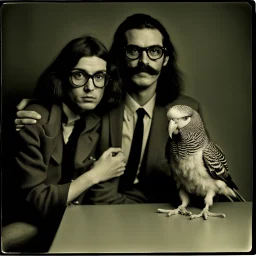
<point>127,179</point>
<point>69,151</point>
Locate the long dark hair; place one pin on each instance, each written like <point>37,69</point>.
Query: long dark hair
<point>53,82</point>
<point>169,83</point>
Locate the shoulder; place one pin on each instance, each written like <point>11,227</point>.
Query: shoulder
<point>185,100</point>
<point>115,111</point>
<point>48,126</point>
<point>47,112</point>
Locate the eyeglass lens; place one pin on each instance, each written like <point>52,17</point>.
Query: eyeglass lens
<point>80,78</point>
<point>154,52</point>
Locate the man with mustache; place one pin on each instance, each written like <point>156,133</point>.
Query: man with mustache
<point>146,58</point>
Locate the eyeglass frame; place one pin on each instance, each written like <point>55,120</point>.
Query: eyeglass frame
<point>142,49</point>
<point>89,76</point>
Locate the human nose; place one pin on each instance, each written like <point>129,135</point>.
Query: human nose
<point>89,86</point>
<point>144,57</point>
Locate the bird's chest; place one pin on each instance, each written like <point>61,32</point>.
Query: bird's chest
<point>190,173</point>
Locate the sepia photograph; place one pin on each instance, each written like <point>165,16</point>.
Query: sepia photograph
<point>126,127</point>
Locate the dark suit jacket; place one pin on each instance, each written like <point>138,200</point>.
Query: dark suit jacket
<point>39,158</point>
<point>156,184</point>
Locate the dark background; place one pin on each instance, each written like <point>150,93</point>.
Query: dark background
<point>213,41</point>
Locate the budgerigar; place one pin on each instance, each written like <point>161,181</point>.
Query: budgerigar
<point>198,164</point>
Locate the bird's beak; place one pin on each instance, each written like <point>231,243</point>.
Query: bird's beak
<point>172,127</point>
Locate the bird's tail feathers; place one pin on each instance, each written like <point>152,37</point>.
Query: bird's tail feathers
<point>239,196</point>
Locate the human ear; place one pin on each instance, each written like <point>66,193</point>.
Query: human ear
<point>166,59</point>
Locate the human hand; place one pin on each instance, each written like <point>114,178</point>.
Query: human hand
<point>25,116</point>
<point>111,164</point>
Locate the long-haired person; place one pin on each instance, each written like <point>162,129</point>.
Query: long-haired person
<point>57,159</point>
<point>147,60</point>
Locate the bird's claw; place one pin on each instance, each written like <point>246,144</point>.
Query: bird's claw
<point>205,214</point>
<point>179,210</point>
<point>183,211</point>
<point>173,212</point>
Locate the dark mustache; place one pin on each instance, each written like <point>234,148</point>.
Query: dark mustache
<point>143,68</point>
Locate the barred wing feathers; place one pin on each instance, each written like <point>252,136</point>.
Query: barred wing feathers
<point>216,164</point>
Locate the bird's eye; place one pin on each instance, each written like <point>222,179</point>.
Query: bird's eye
<point>185,118</point>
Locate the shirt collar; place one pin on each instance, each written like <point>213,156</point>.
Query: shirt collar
<point>71,116</point>
<point>131,105</point>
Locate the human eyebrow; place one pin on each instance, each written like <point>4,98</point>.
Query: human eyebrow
<point>78,69</point>
<point>101,71</point>
<point>132,45</point>
<point>156,45</point>
<point>83,70</point>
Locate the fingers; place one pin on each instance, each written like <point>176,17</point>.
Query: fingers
<point>23,103</point>
<point>120,157</point>
<point>19,127</point>
<point>22,122</point>
<point>112,151</point>
<point>120,171</point>
<point>28,114</point>
<point>25,117</point>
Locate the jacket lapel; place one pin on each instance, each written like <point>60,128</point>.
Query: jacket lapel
<point>54,134</point>
<point>158,137</point>
<point>88,139</point>
<point>86,142</point>
<point>58,148</point>
<point>157,140</point>
<point>116,125</point>
<point>104,135</point>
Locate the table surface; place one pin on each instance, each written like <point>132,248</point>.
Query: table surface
<point>138,228</point>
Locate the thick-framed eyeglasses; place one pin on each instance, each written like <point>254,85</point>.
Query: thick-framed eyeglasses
<point>80,78</point>
<point>154,52</point>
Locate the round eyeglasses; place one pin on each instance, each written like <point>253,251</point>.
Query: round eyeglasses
<point>154,52</point>
<point>80,78</point>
